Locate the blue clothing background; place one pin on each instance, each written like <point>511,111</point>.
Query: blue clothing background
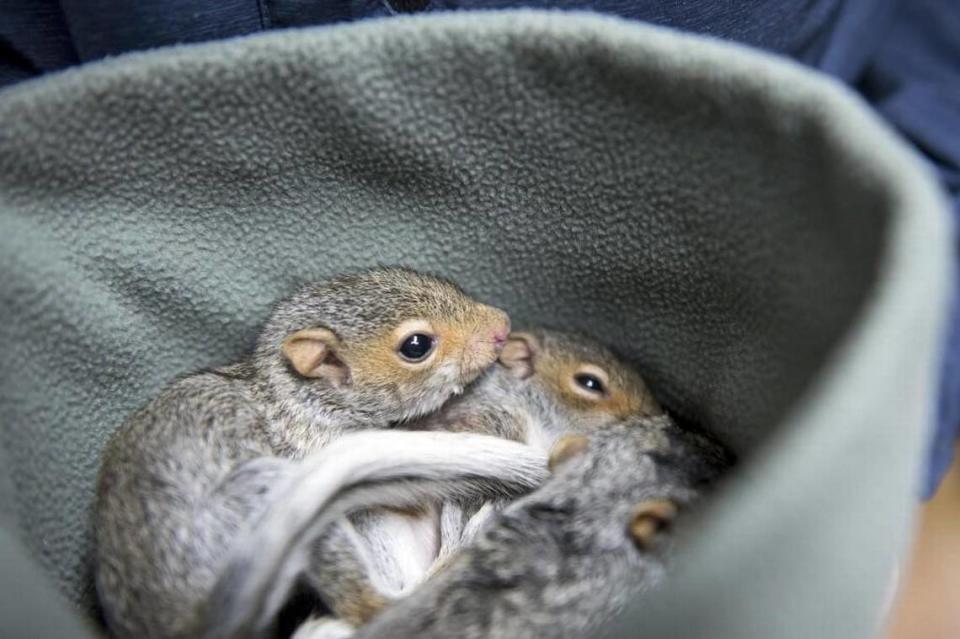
<point>903,56</point>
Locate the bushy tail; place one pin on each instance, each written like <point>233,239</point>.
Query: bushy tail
<point>361,470</point>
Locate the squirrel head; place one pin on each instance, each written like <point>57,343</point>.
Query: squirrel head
<point>635,477</point>
<point>379,346</point>
<point>577,376</point>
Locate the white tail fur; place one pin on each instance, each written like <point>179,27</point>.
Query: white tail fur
<point>361,470</point>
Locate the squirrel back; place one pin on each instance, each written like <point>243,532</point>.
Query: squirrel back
<point>572,554</point>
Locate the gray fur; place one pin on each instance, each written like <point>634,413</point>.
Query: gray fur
<point>360,470</point>
<point>533,410</point>
<point>530,410</point>
<point>560,561</point>
<point>357,307</point>
<point>188,473</point>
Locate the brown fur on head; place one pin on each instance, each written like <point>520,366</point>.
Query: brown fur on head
<point>341,344</point>
<point>586,377</point>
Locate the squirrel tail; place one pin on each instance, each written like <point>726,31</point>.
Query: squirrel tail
<point>367,469</point>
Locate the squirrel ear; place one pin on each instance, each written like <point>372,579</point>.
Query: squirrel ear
<point>312,352</point>
<point>651,407</point>
<point>649,518</point>
<point>517,354</point>
<point>567,447</point>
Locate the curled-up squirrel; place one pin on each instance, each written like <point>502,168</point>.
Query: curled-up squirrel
<point>189,474</point>
<point>547,384</point>
<point>562,560</point>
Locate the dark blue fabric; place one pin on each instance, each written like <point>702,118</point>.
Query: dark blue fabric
<point>903,55</point>
<point>34,39</point>
<point>108,27</point>
<point>49,34</point>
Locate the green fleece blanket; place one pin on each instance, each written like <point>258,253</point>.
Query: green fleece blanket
<point>773,260</point>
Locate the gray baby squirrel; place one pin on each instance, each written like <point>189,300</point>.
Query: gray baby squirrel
<point>559,562</point>
<point>547,384</point>
<point>189,474</point>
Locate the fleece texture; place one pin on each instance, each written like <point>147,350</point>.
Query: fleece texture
<point>770,256</point>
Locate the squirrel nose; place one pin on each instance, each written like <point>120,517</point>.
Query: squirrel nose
<point>501,329</point>
<point>483,348</point>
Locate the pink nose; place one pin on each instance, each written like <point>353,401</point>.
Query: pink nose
<point>500,338</point>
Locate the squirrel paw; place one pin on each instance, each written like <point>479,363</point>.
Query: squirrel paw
<point>566,448</point>
<point>650,518</point>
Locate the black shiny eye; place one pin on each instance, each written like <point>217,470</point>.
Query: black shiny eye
<point>416,347</point>
<point>590,382</point>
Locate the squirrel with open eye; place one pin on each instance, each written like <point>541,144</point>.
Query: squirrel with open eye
<point>223,454</point>
<point>571,555</point>
<point>547,384</point>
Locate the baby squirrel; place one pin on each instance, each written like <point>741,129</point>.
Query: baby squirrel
<point>562,560</point>
<point>547,384</point>
<point>190,473</point>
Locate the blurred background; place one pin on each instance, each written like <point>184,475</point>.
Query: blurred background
<point>928,604</point>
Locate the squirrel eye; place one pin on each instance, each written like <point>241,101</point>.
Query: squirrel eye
<point>589,382</point>
<point>416,347</point>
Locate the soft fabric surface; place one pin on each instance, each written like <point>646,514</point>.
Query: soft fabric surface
<point>773,260</point>
<point>903,56</point>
